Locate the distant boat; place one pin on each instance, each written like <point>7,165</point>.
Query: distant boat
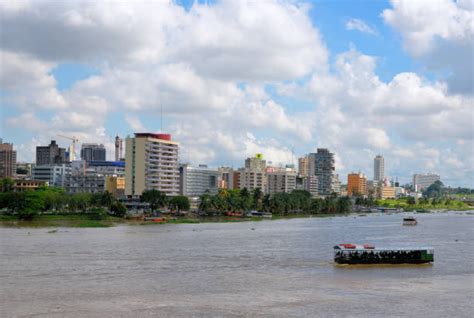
<point>369,254</point>
<point>410,221</point>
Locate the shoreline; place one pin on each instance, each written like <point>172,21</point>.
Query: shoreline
<point>83,221</point>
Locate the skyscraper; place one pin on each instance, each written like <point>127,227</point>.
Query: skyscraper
<point>253,175</point>
<point>303,166</point>
<point>7,160</point>
<point>93,152</point>
<point>379,167</point>
<point>323,165</point>
<point>151,164</point>
<point>118,148</point>
<point>50,155</point>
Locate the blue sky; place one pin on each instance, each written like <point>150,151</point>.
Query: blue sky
<point>236,78</point>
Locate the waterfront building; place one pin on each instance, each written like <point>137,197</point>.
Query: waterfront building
<point>356,184</point>
<point>7,160</point>
<point>54,175</point>
<point>50,155</point>
<point>283,180</point>
<point>93,152</point>
<point>195,181</point>
<point>151,163</point>
<point>253,175</point>
<point>423,181</point>
<point>379,167</point>
<point>303,166</point>
<point>322,164</point>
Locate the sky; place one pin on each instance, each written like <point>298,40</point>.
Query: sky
<point>236,78</point>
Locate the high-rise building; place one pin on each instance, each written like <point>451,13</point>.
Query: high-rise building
<point>283,180</point>
<point>379,167</point>
<point>303,166</point>
<point>323,165</point>
<point>50,155</point>
<point>195,181</point>
<point>356,184</point>
<point>253,175</point>
<point>310,184</point>
<point>423,181</point>
<point>93,152</point>
<point>118,148</point>
<point>151,163</point>
<point>7,160</point>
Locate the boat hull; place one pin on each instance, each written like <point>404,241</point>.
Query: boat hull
<point>367,262</point>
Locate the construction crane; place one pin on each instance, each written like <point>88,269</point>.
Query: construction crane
<point>72,149</point>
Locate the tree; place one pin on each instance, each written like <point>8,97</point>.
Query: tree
<point>179,202</point>
<point>436,190</point>
<point>6,184</point>
<point>107,199</point>
<point>33,204</point>
<point>205,204</point>
<point>118,209</point>
<point>155,198</point>
<point>411,200</point>
<point>257,198</point>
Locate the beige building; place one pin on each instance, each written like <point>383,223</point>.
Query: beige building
<point>115,185</point>
<point>7,160</point>
<point>281,181</point>
<point>384,192</point>
<point>151,163</point>
<point>303,166</point>
<point>253,175</point>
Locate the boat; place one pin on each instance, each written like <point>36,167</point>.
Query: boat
<point>410,221</point>
<point>369,254</point>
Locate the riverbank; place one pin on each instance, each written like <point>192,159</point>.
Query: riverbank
<point>85,221</point>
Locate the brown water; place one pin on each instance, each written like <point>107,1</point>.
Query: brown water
<point>278,268</point>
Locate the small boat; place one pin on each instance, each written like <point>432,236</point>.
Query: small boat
<point>369,254</point>
<point>410,221</point>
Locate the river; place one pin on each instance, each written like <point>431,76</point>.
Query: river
<point>280,268</point>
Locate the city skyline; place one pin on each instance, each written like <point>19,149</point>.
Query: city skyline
<point>360,81</point>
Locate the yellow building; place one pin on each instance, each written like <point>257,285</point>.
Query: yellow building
<point>387,192</point>
<point>151,164</point>
<point>356,184</point>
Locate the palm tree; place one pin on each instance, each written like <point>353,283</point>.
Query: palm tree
<point>205,203</point>
<point>257,197</point>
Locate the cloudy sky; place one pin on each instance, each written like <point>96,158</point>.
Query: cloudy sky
<point>235,78</point>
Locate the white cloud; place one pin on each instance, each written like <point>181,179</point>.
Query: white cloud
<point>440,33</point>
<point>359,25</point>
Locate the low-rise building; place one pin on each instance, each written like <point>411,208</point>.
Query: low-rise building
<point>54,175</point>
<point>23,185</point>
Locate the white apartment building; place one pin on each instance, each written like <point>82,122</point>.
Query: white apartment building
<point>151,163</point>
<point>379,168</point>
<point>55,175</point>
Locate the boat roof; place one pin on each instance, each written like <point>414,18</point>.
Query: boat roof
<point>368,247</point>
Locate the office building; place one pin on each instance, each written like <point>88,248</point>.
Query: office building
<point>423,181</point>
<point>195,181</point>
<point>379,167</point>
<point>54,175</point>
<point>278,181</point>
<point>310,184</point>
<point>356,184</point>
<point>50,155</point>
<point>7,160</point>
<point>322,165</point>
<point>151,163</point>
<point>118,148</point>
<point>93,152</point>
